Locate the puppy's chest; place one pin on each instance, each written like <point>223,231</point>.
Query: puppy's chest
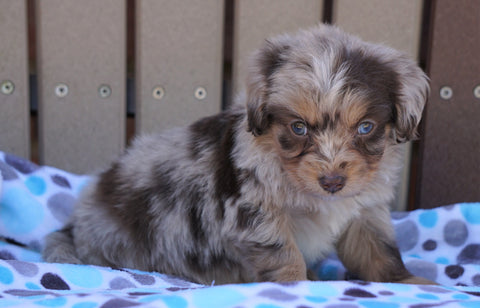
<point>316,233</point>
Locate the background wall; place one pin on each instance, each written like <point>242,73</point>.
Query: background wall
<point>80,78</point>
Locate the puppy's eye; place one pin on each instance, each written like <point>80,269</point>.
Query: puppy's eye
<point>299,128</point>
<point>365,128</point>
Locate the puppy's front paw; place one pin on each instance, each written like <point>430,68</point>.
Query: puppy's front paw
<point>287,273</point>
<point>277,265</point>
<point>312,276</point>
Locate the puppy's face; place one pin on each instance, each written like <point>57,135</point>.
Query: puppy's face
<point>329,105</point>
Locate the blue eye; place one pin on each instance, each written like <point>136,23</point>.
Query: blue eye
<point>299,128</point>
<point>365,128</point>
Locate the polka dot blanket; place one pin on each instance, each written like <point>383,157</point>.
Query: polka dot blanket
<point>442,244</point>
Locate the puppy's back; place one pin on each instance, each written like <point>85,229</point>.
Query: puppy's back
<point>152,209</point>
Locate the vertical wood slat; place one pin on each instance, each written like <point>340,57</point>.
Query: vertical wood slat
<point>257,20</point>
<point>396,24</point>
<point>14,102</point>
<point>391,22</point>
<point>450,169</point>
<point>178,48</point>
<point>81,44</point>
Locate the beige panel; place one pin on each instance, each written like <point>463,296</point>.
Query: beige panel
<point>81,44</point>
<point>179,48</point>
<point>256,20</point>
<point>390,22</point>
<point>14,93</point>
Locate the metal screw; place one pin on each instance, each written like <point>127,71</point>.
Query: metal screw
<point>61,90</point>
<point>476,92</point>
<point>104,91</point>
<point>158,92</point>
<point>446,92</point>
<point>7,87</point>
<point>200,93</point>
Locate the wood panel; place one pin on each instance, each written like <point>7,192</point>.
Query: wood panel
<point>396,24</point>
<point>450,170</point>
<point>14,92</point>
<point>256,20</point>
<point>178,62</point>
<point>391,22</point>
<point>81,45</point>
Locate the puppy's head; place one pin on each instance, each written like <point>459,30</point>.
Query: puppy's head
<point>330,105</point>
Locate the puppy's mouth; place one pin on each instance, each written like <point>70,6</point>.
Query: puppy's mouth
<point>329,197</point>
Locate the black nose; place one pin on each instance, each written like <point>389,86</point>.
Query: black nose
<point>332,184</point>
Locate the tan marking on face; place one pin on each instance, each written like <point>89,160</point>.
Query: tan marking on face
<point>329,147</point>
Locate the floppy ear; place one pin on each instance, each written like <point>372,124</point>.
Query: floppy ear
<point>413,95</point>
<point>264,63</point>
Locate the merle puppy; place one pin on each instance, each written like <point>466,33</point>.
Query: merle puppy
<point>302,165</point>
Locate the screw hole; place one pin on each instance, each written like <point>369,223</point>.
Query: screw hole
<point>61,90</point>
<point>104,91</point>
<point>446,92</point>
<point>158,92</point>
<point>476,92</point>
<point>200,93</point>
<point>7,87</point>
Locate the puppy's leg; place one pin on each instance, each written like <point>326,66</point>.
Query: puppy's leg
<point>277,262</point>
<point>59,247</point>
<point>367,248</point>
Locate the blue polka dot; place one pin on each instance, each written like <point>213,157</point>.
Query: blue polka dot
<point>427,296</point>
<point>81,275</point>
<point>175,301</point>
<point>148,298</point>
<point>217,297</point>
<point>52,302</point>
<point>85,305</point>
<point>472,304</point>
<point>328,272</point>
<point>316,299</point>
<point>461,296</point>
<point>322,289</point>
<point>402,299</point>
<point>378,304</point>
<point>19,212</point>
<point>442,260</point>
<point>428,218</point>
<point>36,185</point>
<point>32,286</point>
<point>6,276</point>
<point>471,212</point>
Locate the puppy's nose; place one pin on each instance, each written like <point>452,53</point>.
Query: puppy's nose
<point>333,183</point>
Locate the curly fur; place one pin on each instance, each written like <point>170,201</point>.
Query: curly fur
<point>240,197</point>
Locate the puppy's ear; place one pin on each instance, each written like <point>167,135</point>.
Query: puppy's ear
<point>413,95</point>
<point>263,65</point>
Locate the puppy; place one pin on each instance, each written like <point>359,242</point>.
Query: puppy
<point>305,165</point>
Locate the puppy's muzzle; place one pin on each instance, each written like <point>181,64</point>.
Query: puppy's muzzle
<point>332,183</point>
